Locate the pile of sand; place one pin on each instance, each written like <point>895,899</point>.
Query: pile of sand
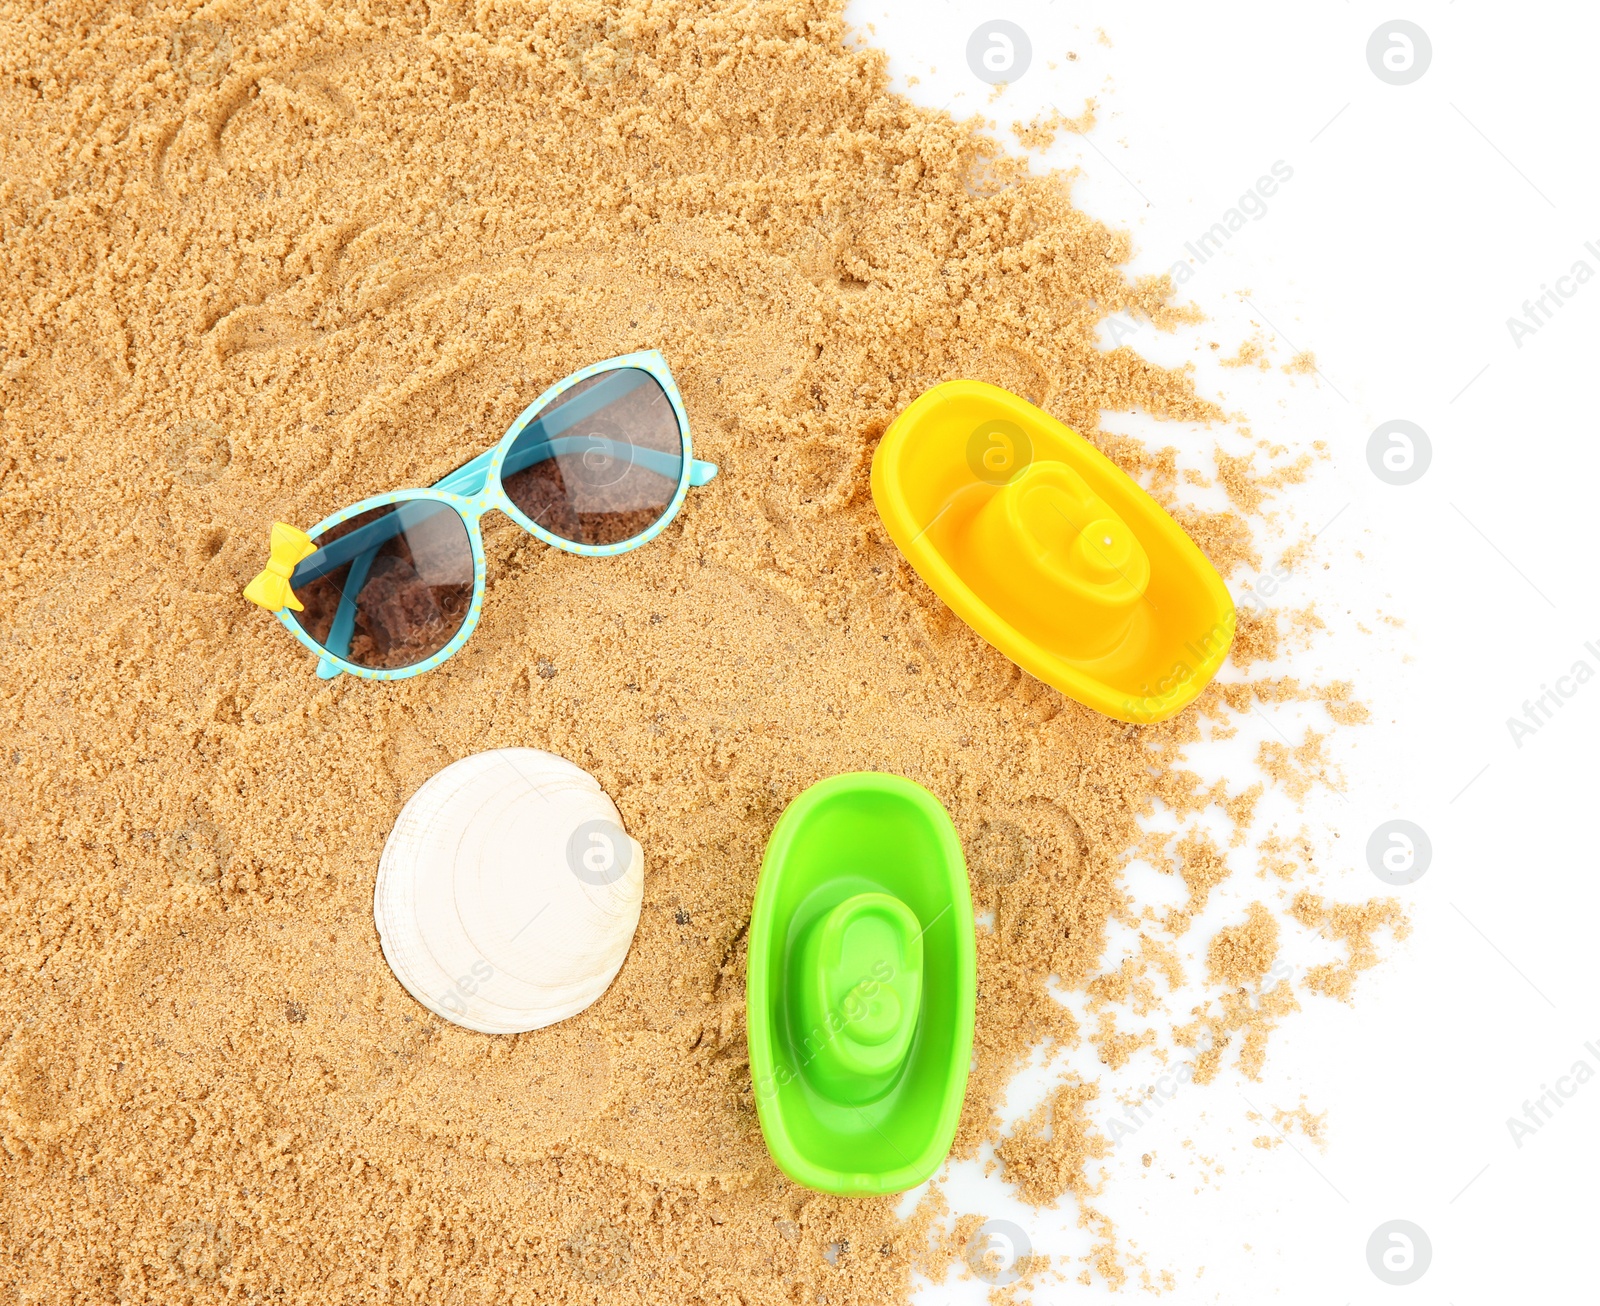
<point>263,260</point>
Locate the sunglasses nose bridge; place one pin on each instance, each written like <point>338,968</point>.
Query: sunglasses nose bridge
<point>497,502</point>
<point>489,502</point>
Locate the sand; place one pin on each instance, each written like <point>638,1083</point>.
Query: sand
<point>263,260</point>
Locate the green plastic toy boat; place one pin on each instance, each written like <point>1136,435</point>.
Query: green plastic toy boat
<point>861,986</point>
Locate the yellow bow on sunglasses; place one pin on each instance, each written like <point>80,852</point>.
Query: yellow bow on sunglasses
<point>271,588</point>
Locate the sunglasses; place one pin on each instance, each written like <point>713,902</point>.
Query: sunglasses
<point>392,586</point>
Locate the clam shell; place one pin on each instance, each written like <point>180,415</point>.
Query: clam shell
<point>508,892</point>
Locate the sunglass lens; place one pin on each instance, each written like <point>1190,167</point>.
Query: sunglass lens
<point>601,463</point>
<point>388,588</point>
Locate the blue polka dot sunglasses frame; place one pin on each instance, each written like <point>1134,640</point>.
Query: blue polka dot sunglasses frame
<point>598,439</point>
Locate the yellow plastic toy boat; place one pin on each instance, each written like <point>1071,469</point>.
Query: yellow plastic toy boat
<point>1050,551</point>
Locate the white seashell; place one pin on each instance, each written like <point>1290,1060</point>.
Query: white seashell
<point>508,892</point>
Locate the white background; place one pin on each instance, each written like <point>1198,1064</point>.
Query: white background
<point>1418,220</point>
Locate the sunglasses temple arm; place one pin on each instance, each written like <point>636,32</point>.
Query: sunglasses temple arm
<point>669,465</point>
<point>470,478</point>
<point>366,539</point>
<point>344,620</point>
<point>580,408</point>
<point>467,480</point>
